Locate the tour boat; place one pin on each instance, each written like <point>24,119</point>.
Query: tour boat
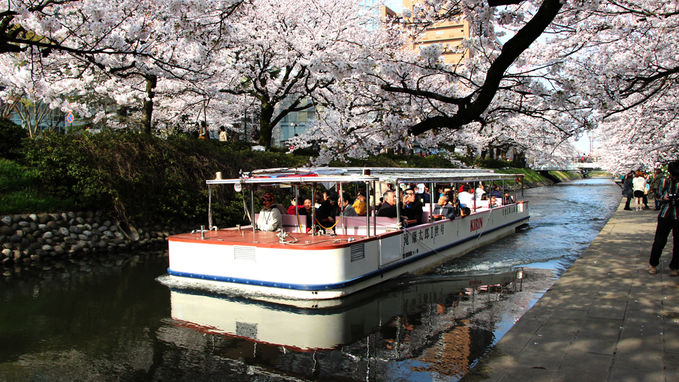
<point>307,263</point>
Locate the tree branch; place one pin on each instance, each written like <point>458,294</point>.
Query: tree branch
<point>473,109</point>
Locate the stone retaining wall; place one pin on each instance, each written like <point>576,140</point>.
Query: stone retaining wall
<point>41,240</point>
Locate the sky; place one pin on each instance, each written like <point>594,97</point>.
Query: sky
<point>394,5</point>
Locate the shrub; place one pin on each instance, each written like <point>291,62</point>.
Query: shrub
<point>144,179</point>
<point>11,136</point>
<point>20,191</point>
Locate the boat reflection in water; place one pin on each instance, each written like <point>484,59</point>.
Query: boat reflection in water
<point>419,324</point>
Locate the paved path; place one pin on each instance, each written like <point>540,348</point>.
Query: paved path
<point>605,319</point>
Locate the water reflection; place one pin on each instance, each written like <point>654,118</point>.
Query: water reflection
<point>116,323</point>
<point>420,325</point>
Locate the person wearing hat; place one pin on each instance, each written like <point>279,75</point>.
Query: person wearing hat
<point>270,218</point>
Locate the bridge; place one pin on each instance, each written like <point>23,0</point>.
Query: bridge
<point>573,166</point>
<point>584,167</point>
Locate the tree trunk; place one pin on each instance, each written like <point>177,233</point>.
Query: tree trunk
<point>265,126</point>
<point>151,81</point>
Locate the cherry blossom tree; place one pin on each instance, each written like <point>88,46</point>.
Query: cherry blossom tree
<point>535,72</point>
<point>110,46</point>
<point>285,54</point>
<point>622,59</point>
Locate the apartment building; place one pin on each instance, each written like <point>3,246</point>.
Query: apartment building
<point>449,34</point>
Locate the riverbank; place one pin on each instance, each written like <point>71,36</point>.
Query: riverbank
<point>604,319</point>
<point>43,242</point>
<point>40,242</point>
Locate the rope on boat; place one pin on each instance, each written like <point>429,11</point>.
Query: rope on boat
<point>299,222</point>
<point>327,228</point>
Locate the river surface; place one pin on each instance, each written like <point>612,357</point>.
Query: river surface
<point>117,322</point>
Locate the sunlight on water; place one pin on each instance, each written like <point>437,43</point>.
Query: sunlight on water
<point>564,220</point>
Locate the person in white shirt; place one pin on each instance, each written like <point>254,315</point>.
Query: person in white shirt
<point>270,218</point>
<point>466,198</point>
<point>639,186</point>
<point>480,191</point>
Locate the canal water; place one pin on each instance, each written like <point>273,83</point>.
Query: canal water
<point>117,322</point>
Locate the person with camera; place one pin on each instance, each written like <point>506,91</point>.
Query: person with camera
<point>668,220</point>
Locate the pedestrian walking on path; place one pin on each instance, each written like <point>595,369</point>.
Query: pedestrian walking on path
<point>668,220</point>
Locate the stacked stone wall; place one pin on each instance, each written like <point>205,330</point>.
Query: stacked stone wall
<point>42,240</point>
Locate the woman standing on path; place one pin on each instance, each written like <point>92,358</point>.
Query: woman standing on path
<point>639,186</point>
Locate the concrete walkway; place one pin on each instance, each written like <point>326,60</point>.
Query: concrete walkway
<point>605,319</point>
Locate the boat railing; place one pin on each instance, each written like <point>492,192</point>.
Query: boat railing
<point>355,225</point>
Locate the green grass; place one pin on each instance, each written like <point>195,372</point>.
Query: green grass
<point>530,176</point>
<point>20,191</point>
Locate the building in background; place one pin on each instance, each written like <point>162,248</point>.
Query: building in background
<point>297,123</point>
<point>292,125</point>
<point>449,34</point>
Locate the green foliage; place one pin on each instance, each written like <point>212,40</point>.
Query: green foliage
<point>20,191</point>
<point>11,136</point>
<point>566,175</point>
<point>492,163</point>
<point>531,177</point>
<point>145,179</point>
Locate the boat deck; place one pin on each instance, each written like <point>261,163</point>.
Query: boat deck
<point>270,239</point>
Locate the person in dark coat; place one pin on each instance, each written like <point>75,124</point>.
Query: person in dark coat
<point>327,212</point>
<point>347,207</point>
<point>388,207</point>
<point>627,188</point>
<point>412,209</point>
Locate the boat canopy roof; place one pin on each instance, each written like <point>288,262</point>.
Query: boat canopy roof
<point>306,175</point>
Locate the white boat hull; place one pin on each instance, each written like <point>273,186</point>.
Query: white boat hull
<point>329,267</point>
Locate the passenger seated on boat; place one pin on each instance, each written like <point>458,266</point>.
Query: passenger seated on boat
<point>306,210</point>
<point>360,205</point>
<point>422,194</point>
<point>480,192</point>
<point>388,207</point>
<point>412,209</point>
<point>465,211</point>
<point>493,202</point>
<point>326,213</point>
<point>496,192</point>
<point>507,199</point>
<point>295,204</point>
<point>347,208</point>
<point>443,210</point>
<point>270,218</point>
<point>466,198</point>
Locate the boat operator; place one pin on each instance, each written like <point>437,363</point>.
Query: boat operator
<point>270,218</point>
